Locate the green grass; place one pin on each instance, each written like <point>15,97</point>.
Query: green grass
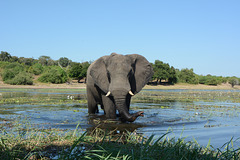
<point>42,96</point>
<point>186,96</point>
<point>24,141</point>
<point>142,97</point>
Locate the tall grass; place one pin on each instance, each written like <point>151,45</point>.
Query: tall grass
<point>26,142</point>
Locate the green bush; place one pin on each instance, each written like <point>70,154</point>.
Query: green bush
<point>188,76</point>
<point>22,78</point>
<point>233,81</point>
<point>211,80</point>
<point>54,75</point>
<point>37,69</point>
<point>11,70</point>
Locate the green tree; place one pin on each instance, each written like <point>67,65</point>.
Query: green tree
<point>26,61</point>
<point>64,62</point>
<point>78,70</point>
<point>233,81</point>
<point>37,69</point>
<point>210,80</point>
<point>55,75</point>
<point>5,56</point>
<point>22,78</point>
<point>162,71</point>
<point>14,74</point>
<point>11,70</point>
<point>188,76</point>
<point>46,61</point>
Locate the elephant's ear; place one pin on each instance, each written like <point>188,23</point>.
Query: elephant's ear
<point>143,72</point>
<point>99,74</point>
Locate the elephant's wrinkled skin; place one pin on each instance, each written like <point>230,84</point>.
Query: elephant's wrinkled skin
<point>113,80</point>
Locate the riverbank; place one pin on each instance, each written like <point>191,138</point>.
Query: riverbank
<point>82,86</point>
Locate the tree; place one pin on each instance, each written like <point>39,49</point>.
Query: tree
<point>78,70</point>
<point>210,80</point>
<point>46,61</point>
<point>54,75</point>
<point>188,76</point>
<point>162,71</point>
<point>5,56</point>
<point>37,69</point>
<point>64,62</point>
<point>233,81</point>
<point>22,78</point>
<point>26,61</point>
<point>14,74</point>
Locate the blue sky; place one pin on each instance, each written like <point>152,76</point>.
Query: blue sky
<point>199,34</point>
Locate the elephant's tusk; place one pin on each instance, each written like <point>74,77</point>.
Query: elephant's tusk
<point>130,92</point>
<point>108,93</point>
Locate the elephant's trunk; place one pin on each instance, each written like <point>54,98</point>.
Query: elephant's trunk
<point>123,110</point>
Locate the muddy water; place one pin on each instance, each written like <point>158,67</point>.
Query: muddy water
<point>217,121</point>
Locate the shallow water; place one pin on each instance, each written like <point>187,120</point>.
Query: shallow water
<point>217,121</point>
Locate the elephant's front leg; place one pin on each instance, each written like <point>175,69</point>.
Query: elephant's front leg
<point>109,107</point>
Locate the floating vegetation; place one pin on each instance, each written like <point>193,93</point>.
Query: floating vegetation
<point>186,96</point>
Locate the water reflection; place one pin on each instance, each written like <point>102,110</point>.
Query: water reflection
<point>203,120</point>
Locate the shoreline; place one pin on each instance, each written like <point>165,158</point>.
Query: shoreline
<point>83,86</point>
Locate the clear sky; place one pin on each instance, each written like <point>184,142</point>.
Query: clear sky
<point>199,34</point>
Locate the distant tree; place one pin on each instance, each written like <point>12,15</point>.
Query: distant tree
<point>5,56</point>
<point>26,61</point>
<point>78,70</point>
<point>11,70</point>
<point>210,80</point>
<point>37,69</point>
<point>188,76</point>
<point>64,62</point>
<point>14,74</point>
<point>233,81</point>
<point>75,70</point>
<point>162,71</point>
<point>46,61</point>
<point>22,78</point>
<point>55,75</point>
<point>85,66</point>
<point>172,79</point>
<point>14,59</point>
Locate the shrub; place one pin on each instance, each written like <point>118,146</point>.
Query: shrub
<point>37,69</point>
<point>54,75</point>
<point>188,76</point>
<point>11,70</point>
<point>22,78</point>
<point>233,81</point>
<point>211,80</point>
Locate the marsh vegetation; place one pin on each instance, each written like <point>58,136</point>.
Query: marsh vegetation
<point>54,124</point>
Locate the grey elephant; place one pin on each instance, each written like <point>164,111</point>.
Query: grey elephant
<point>113,80</point>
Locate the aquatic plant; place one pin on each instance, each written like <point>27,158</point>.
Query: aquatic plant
<point>24,141</point>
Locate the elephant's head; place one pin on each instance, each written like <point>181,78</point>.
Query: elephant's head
<point>120,77</point>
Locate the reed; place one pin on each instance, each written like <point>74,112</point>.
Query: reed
<point>24,141</point>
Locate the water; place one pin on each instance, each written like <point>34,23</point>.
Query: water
<point>217,121</point>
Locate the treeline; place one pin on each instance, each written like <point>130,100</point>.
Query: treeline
<point>21,71</point>
<point>166,74</point>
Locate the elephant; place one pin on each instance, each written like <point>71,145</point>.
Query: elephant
<point>111,82</point>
